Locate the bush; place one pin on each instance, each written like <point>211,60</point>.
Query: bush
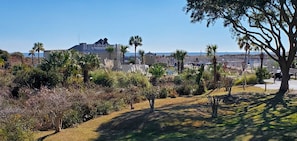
<point>138,79</point>
<point>163,93</point>
<point>178,80</point>
<point>103,78</point>
<point>71,118</point>
<point>200,89</point>
<point>262,74</point>
<point>250,79</point>
<point>184,90</point>
<point>16,128</point>
<point>35,78</point>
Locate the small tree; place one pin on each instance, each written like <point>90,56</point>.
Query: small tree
<point>136,41</point>
<point>54,102</point>
<point>124,50</point>
<point>214,103</point>
<point>32,54</point>
<point>141,53</point>
<point>151,94</point>
<point>38,47</point>
<point>157,71</point>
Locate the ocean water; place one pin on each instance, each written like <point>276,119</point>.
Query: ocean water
<point>169,53</point>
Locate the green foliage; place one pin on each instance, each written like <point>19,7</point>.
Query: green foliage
<point>71,117</point>
<point>177,80</point>
<point>103,78</point>
<point>262,74</point>
<point>163,93</point>
<point>184,90</point>
<point>35,78</point>
<point>250,79</point>
<point>138,79</point>
<point>16,128</point>
<point>157,70</point>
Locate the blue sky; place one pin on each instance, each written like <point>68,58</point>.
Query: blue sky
<point>61,24</point>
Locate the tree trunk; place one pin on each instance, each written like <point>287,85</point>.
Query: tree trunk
<point>38,58</point>
<point>182,66</point>
<point>32,61</point>
<point>284,87</point>
<point>58,122</point>
<point>178,66</point>
<point>86,76</point>
<point>123,58</point>
<point>135,55</point>
<point>152,105</point>
<point>215,69</point>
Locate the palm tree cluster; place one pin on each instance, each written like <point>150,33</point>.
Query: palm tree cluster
<point>36,48</point>
<point>180,55</point>
<point>135,41</point>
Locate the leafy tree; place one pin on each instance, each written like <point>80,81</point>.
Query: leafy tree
<point>211,52</point>
<point>32,54</point>
<point>110,50</point>
<point>54,102</point>
<point>87,63</point>
<point>136,41</point>
<point>38,47</point>
<point>141,53</point>
<point>270,25</point>
<point>64,63</point>
<point>4,55</point>
<point>151,94</point>
<point>124,50</point>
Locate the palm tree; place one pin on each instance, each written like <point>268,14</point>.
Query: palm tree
<point>109,49</point>
<point>182,57</point>
<point>38,47</point>
<point>179,55</point>
<point>124,50</point>
<point>141,53</point>
<point>136,41</point>
<point>32,54</point>
<point>88,62</point>
<point>244,43</point>
<point>211,52</point>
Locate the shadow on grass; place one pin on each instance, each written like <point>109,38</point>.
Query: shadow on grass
<point>42,138</point>
<point>193,122</point>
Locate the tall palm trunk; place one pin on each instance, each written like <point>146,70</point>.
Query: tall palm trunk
<point>38,58</point>
<point>123,58</point>
<point>86,75</point>
<point>182,66</point>
<point>178,66</point>
<point>32,60</point>
<point>135,54</point>
<point>215,69</point>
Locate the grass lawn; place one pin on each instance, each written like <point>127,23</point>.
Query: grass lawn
<point>188,118</point>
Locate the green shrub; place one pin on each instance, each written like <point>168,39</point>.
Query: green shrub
<point>200,89</point>
<point>35,78</point>
<point>16,128</point>
<point>103,78</point>
<point>184,90</point>
<point>163,93</point>
<point>250,79</point>
<point>138,79</point>
<point>177,80</point>
<point>71,118</point>
<point>262,74</point>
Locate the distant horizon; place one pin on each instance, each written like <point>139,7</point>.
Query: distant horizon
<point>26,54</point>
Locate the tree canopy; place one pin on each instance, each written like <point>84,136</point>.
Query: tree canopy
<point>269,24</point>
